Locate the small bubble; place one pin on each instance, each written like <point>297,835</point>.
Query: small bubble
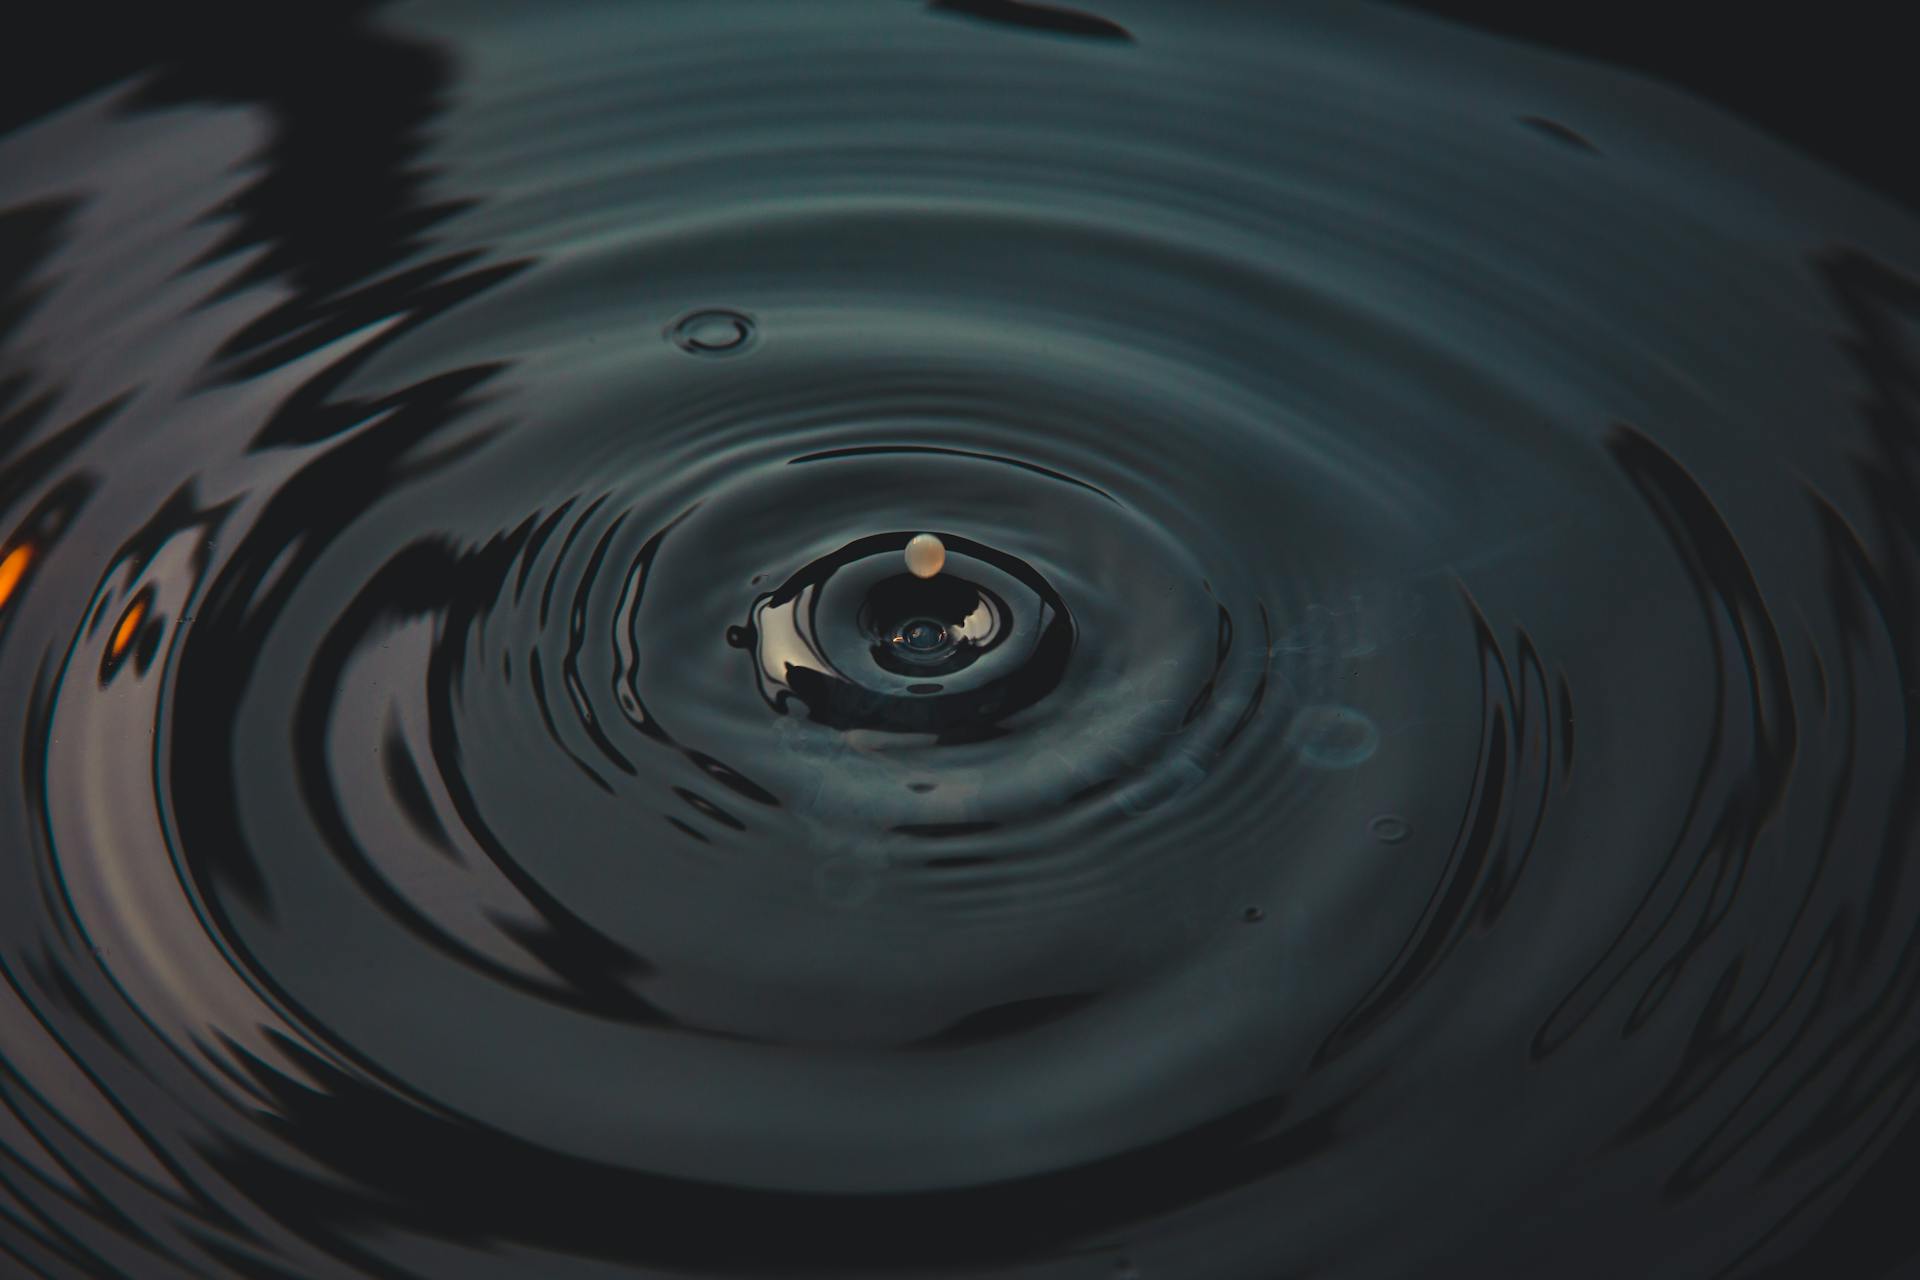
<point>1331,737</point>
<point>1390,828</point>
<point>715,332</point>
<point>1253,915</point>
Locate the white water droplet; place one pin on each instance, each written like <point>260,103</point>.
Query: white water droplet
<point>926,555</point>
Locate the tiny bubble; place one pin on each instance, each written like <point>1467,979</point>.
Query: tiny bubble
<point>1390,828</point>
<point>714,332</point>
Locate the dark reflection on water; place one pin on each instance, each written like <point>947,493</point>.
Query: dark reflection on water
<point>1407,768</point>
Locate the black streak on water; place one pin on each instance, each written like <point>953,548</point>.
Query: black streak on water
<point>1559,133</point>
<point>1035,17</point>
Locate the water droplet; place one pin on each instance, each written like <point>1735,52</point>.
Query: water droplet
<point>715,332</point>
<point>1331,737</point>
<point>926,555</point>
<point>1390,828</point>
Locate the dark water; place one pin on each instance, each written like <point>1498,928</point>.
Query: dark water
<point>1408,770</point>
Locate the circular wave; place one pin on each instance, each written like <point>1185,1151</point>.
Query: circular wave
<point>489,774</point>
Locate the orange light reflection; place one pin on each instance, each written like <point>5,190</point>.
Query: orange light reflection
<point>129,628</point>
<point>13,569</point>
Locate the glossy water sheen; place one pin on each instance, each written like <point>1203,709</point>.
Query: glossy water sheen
<point>1407,770</point>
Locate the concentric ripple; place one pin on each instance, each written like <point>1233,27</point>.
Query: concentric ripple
<point>1405,768</point>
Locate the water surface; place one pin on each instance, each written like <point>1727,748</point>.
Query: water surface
<point>1406,770</point>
